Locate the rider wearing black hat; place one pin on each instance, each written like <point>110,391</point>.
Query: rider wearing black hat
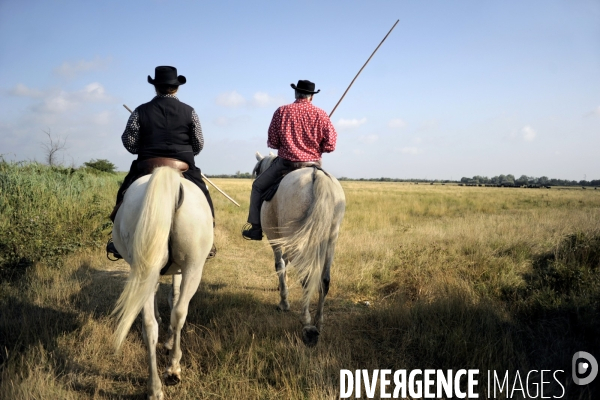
<point>163,129</point>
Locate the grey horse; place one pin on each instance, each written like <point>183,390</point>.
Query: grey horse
<point>153,218</point>
<point>302,222</point>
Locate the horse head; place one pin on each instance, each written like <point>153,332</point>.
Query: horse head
<point>263,163</point>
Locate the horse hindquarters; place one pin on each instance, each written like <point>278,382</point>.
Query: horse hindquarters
<point>310,249</point>
<point>191,238</point>
<point>148,232</point>
<point>338,206</point>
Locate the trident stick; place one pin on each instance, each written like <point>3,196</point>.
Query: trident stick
<point>204,177</point>
<point>363,67</point>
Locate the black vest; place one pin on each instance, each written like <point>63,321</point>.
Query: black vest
<point>166,130</point>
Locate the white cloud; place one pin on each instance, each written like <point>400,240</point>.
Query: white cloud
<point>396,123</point>
<point>23,91</point>
<point>59,101</point>
<point>368,139</point>
<point>408,150</point>
<point>94,92</point>
<point>261,99</point>
<point>528,133</point>
<point>230,99</point>
<point>55,102</point>
<point>350,123</point>
<point>72,69</point>
<point>86,115</point>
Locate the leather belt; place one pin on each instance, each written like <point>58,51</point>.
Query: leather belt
<point>297,165</point>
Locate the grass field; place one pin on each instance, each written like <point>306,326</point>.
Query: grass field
<point>425,276</point>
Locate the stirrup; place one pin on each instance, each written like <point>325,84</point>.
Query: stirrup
<point>212,253</point>
<point>111,249</point>
<point>247,228</point>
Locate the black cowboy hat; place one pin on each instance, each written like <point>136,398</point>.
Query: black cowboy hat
<point>305,87</point>
<point>166,76</point>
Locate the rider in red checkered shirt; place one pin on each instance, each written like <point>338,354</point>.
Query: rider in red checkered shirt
<point>301,132</point>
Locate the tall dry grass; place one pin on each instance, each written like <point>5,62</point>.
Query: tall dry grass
<point>424,277</point>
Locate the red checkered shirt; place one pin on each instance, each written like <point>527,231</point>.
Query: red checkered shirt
<point>301,132</point>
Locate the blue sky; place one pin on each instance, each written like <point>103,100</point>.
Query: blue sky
<point>460,88</point>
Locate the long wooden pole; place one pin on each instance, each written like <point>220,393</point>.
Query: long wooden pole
<point>204,177</point>
<point>363,67</point>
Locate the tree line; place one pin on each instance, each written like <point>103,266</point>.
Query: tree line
<point>525,180</point>
<point>506,180</point>
<point>501,180</point>
<point>55,145</point>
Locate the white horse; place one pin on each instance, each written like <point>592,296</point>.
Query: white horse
<point>303,219</point>
<point>152,220</point>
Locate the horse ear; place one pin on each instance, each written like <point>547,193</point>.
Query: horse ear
<point>258,156</point>
<point>272,154</point>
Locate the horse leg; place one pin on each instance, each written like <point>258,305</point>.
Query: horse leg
<point>280,262</point>
<point>150,334</point>
<point>156,313</point>
<point>173,299</point>
<point>310,333</point>
<point>325,280</point>
<point>189,285</point>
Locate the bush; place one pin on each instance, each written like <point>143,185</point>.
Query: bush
<point>47,212</point>
<point>565,278</point>
<point>101,165</point>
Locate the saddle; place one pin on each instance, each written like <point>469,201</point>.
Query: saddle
<point>146,167</point>
<point>292,166</point>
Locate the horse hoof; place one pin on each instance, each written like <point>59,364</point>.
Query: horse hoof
<point>283,307</point>
<point>171,379</point>
<point>310,336</point>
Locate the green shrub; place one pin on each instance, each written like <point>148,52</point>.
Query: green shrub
<point>46,212</point>
<point>101,165</point>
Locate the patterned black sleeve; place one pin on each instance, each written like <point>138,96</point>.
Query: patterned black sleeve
<point>130,137</point>
<point>197,138</point>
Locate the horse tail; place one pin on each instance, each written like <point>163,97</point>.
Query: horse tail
<point>149,251</point>
<point>307,247</point>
